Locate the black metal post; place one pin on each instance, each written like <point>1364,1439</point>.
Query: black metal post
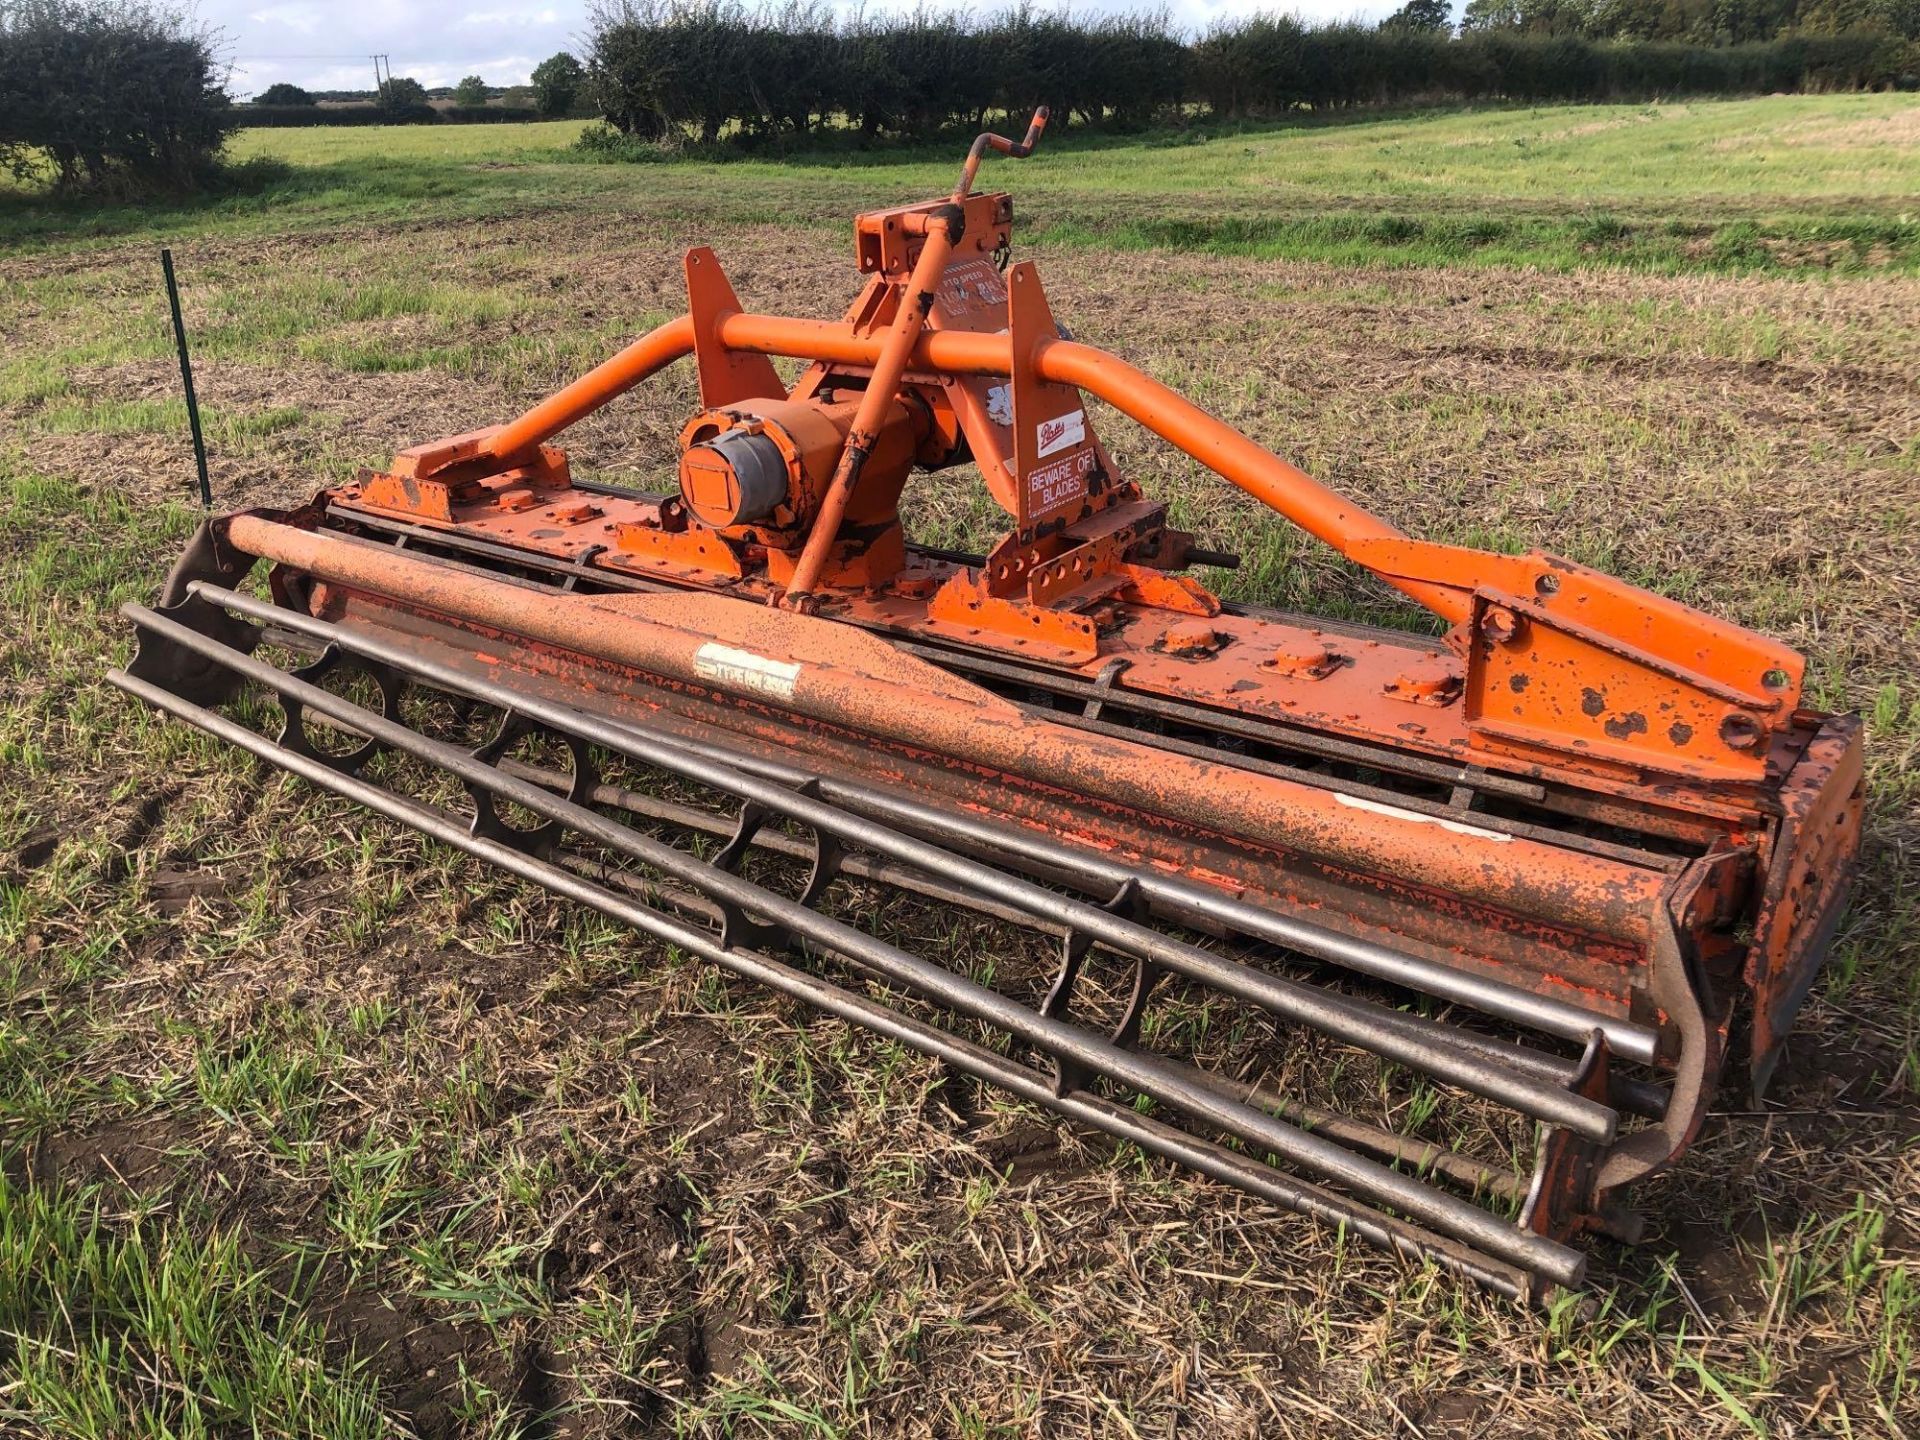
<point>186,380</point>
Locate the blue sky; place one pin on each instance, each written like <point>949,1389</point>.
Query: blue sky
<point>328,46</point>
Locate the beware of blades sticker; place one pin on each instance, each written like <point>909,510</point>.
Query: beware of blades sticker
<point>1061,433</point>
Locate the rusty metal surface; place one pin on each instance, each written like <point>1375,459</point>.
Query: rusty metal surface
<point>844,677</point>
<point>1519,1258</point>
<point>1811,871</point>
<point>638,658</point>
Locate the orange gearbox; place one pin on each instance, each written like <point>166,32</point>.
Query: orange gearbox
<point>758,472</point>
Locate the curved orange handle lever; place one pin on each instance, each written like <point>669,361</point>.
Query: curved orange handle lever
<point>987,139</point>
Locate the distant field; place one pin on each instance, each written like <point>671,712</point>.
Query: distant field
<point>1794,183</point>
<point>1791,149</point>
<point>339,1134</point>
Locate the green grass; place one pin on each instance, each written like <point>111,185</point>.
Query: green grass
<point>1785,149</point>
<point>150,1324</point>
<point>1784,183</point>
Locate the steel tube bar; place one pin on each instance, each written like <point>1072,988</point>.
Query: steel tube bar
<point>1423,1155</point>
<point>1202,1156</point>
<point>1138,1072</point>
<point>1299,739</point>
<point>1626,1039</point>
<point>888,366</point>
<point>1018,150</point>
<point>653,351</point>
<point>1322,512</point>
<point>1405,1039</point>
<point>854,866</point>
<point>1631,1095</point>
<point>856,691</point>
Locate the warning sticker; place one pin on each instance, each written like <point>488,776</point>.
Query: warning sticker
<point>1061,433</point>
<point>744,670</point>
<point>1065,480</point>
<point>972,286</point>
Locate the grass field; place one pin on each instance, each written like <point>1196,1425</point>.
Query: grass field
<point>1787,183</point>
<point>311,1127</point>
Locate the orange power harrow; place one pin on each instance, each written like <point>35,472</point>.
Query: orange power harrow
<point>1548,861</point>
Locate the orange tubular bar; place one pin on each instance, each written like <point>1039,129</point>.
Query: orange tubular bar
<point>846,678</point>
<point>1323,513</point>
<point>954,352</point>
<point>653,351</point>
<point>1000,143</point>
<point>888,366</point>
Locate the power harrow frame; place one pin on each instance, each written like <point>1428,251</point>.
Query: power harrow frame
<point>1539,862</point>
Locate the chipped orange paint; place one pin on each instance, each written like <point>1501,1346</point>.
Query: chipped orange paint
<point>852,679</point>
<point>1557,668</point>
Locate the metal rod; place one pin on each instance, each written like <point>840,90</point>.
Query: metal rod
<point>1465,1170</point>
<point>1141,1073</point>
<point>186,379</point>
<point>1633,1095</point>
<point>1366,957</point>
<point>1018,150</point>
<point>1297,739</point>
<point>856,867</point>
<point>1566,1267</point>
<point>916,299</point>
<point>1544,1013</point>
<point>1280,736</point>
<point>1404,1039</point>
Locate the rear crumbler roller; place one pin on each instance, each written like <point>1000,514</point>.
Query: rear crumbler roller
<point>1468,1214</point>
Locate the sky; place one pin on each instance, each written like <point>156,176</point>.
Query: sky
<point>329,46</point>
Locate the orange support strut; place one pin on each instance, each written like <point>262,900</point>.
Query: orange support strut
<point>888,366</point>
<point>1323,513</point>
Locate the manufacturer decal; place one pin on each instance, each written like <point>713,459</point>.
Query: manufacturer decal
<point>1456,827</point>
<point>744,670</point>
<point>1062,433</point>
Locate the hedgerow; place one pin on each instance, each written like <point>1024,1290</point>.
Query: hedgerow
<point>699,69</point>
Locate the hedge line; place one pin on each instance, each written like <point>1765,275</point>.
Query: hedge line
<point>661,68</point>
<point>279,116</point>
<point>108,97</point>
<point>1265,66</point>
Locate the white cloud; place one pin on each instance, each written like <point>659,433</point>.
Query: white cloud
<point>519,19</point>
<point>301,19</point>
<point>328,46</point>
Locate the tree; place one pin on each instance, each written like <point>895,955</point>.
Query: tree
<point>1490,15</point>
<point>1433,16</point>
<point>98,91</point>
<point>557,81</point>
<point>283,94</point>
<point>470,91</point>
<point>1532,17</point>
<point>402,92</point>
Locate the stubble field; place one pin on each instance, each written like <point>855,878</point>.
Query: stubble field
<point>308,1121</point>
